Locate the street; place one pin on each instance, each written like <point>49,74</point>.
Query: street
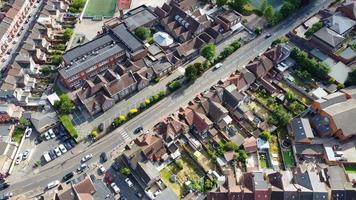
<point>154,114</point>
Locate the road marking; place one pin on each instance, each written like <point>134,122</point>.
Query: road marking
<point>125,136</point>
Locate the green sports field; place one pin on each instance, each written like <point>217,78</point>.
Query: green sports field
<point>100,8</point>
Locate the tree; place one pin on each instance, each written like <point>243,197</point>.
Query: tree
<point>351,79</point>
<point>67,34</point>
<point>297,107</point>
<point>23,123</point>
<point>60,47</point>
<point>227,51</point>
<point>199,67</point>
<point>45,70</point>
<point>239,5</point>
<point>280,40</point>
<point>143,33</point>
<point>258,30</point>
<point>287,9</point>
<point>65,105</point>
<point>125,171</point>
<point>266,135</point>
<point>269,14</point>
<point>94,134</point>
<point>208,51</point>
<point>56,59</point>
<point>221,2</point>
<point>263,6</point>
<point>179,164</point>
<point>290,96</point>
<point>209,184</point>
<point>133,112</point>
<point>230,146</point>
<point>314,28</point>
<point>241,155</point>
<point>76,6</point>
<point>353,46</point>
<point>191,73</point>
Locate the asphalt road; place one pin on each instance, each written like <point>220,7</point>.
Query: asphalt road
<point>148,118</point>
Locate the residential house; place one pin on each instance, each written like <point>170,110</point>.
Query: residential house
<point>255,182</point>
<point>336,180</point>
<point>348,9</point>
<point>334,115</point>
<point>260,67</point>
<point>42,121</point>
<point>147,173</point>
<point>228,19</point>
<point>179,24</point>
<point>10,113</point>
<point>230,190</point>
<point>340,24</point>
<point>327,40</point>
<point>301,130</point>
<point>250,144</point>
<point>277,54</point>
<point>7,147</point>
<point>199,123</point>
<point>171,128</point>
<point>309,182</point>
<point>231,98</point>
<point>282,187</point>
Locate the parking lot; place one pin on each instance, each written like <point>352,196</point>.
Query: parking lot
<point>37,148</point>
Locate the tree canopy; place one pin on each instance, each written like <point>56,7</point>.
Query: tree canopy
<point>143,33</point>
<point>65,105</point>
<point>208,51</point>
<point>351,79</point>
<point>67,34</point>
<point>239,4</point>
<point>191,73</point>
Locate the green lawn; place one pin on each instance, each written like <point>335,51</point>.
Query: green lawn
<point>100,8</point>
<point>288,158</point>
<point>263,161</point>
<point>68,125</point>
<point>350,169</point>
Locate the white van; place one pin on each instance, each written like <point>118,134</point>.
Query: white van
<point>47,157</point>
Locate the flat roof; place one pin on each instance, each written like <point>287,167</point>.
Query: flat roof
<point>138,17</point>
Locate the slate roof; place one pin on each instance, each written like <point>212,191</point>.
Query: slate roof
<point>329,36</point>
<point>340,24</point>
<point>301,129</point>
<point>231,97</point>
<point>260,67</point>
<point>348,9</point>
<point>127,38</point>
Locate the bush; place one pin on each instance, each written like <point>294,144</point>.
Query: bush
<point>280,40</point>
<point>179,164</point>
<point>209,184</point>
<point>241,155</point>
<point>68,125</point>
<point>147,102</point>
<point>174,85</point>
<point>60,47</point>
<point>258,30</point>
<point>133,112</point>
<point>314,28</point>
<point>67,34</point>
<point>94,134</point>
<point>156,79</point>
<point>125,171</point>
<point>143,33</point>
<point>266,135</point>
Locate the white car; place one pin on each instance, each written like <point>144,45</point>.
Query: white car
<point>62,148</point>
<point>18,159</point>
<point>81,167</point>
<point>128,181</point>
<point>102,169</point>
<point>26,154</point>
<point>218,65</point>
<point>51,133</point>
<point>52,184</point>
<point>57,151</point>
<point>47,136</point>
<point>28,132</point>
<point>115,187</point>
<point>87,157</point>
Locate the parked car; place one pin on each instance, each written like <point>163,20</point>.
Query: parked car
<point>28,132</point>
<point>138,130</point>
<point>102,169</point>
<point>68,146</point>
<point>51,133</point>
<point>57,151</point>
<point>62,148</point>
<point>68,176</point>
<point>87,157</point>
<point>81,167</point>
<point>26,154</point>
<point>103,157</point>
<point>18,159</point>
<point>129,182</point>
<point>52,184</point>
<point>268,35</point>
<point>217,66</point>
<point>116,166</point>
<point>72,142</point>
<point>52,154</point>
<point>115,187</point>
<point>47,157</point>
<point>92,177</point>
<point>47,136</point>
<point>7,195</point>
<point>38,139</point>
<point>4,186</point>
<point>139,195</point>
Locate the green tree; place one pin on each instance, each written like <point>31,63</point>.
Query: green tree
<point>45,70</point>
<point>241,155</point>
<point>239,5</point>
<point>353,46</point>
<point>221,2</point>
<point>351,79</point>
<point>258,30</point>
<point>65,105</point>
<point>266,135</point>
<point>297,107</point>
<point>287,9</point>
<point>191,73</point>
<point>60,47</point>
<point>227,51</point>
<point>76,6</point>
<point>143,33</point>
<point>67,34</point>
<point>230,146</point>
<point>56,59</point>
<point>125,171</point>
<point>269,13</point>
<point>94,134</point>
<point>209,184</point>
<point>290,96</point>
<point>208,51</point>
<point>23,123</point>
<point>179,164</point>
<point>263,6</point>
<point>314,28</point>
